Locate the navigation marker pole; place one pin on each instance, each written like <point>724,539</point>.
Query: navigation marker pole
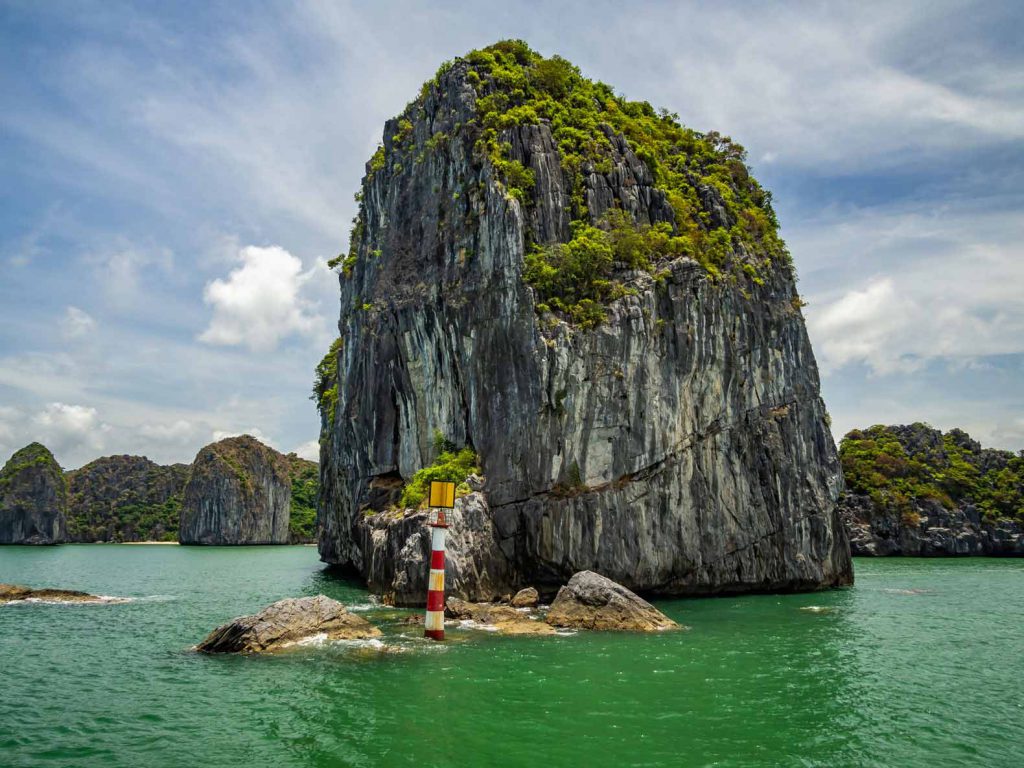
<point>442,496</point>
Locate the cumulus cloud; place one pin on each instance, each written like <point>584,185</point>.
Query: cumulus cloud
<point>65,428</point>
<point>260,303</point>
<point>309,450</point>
<point>919,286</point>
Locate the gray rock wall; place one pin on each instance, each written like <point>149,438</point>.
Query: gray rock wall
<point>679,448</point>
<point>33,498</point>
<point>239,492</point>
<point>932,531</point>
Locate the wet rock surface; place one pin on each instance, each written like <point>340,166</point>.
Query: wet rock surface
<point>680,447</point>
<point>239,492</point>
<point>504,619</point>
<point>12,592</point>
<point>33,498</point>
<point>286,623</point>
<point>591,601</point>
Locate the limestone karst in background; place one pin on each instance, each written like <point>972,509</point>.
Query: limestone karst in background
<point>912,490</point>
<point>131,499</point>
<point>33,498</point>
<point>125,498</point>
<point>593,300</point>
<point>238,492</point>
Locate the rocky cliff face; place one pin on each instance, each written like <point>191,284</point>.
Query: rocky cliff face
<point>239,492</point>
<point>664,428</point>
<point>914,490</point>
<point>33,498</point>
<point>125,498</point>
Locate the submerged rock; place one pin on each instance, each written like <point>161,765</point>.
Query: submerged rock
<point>501,618</point>
<point>286,623</point>
<point>33,498</point>
<point>239,492</point>
<point>678,443</point>
<point>12,592</point>
<point>591,601</point>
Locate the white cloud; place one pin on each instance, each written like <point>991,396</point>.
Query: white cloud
<point>918,286</point>
<point>221,434</point>
<point>78,323</point>
<point>260,303</point>
<point>180,431</point>
<point>64,428</point>
<point>309,450</point>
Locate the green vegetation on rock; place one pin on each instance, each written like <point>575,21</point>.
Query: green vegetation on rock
<point>32,455</point>
<point>699,173</point>
<point>452,466</point>
<point>305,477</point>
<point>325,383</point>
<point>898,466</point>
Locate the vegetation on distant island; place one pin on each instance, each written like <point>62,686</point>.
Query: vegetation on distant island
<point>305,477</point>
<point>125,498</point>
<point>450,465</point>
<point>33,454</point>
<point>517,86</point>
<point>898,466</point>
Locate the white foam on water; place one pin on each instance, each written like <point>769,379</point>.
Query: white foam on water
<point>101,600</point>
<point>817,609</point>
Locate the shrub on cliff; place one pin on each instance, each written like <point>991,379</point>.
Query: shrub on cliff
<point>451,466</point>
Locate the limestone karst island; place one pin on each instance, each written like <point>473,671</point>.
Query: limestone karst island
<point>574,485</point>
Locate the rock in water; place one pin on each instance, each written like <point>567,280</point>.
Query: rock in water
<point>239,492</point>
<point>609,321</point>
<point>33,498</point>
<point>525,598</point>
<point>12,592</point>
<point>125,498</point>
<point>501,618</point>
<point>591,601</point>
<point>288,622</point>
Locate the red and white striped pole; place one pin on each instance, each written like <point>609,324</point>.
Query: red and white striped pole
<point>442,494</point>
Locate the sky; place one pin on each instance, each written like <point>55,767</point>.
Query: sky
<point>176,175</point>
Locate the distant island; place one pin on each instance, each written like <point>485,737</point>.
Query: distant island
<point>914,490</point>
<point>237,491</point>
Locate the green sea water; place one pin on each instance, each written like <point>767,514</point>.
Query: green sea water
<point>920,664</point>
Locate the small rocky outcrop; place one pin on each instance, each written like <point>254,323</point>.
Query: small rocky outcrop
<point>591,601</point>
<point>33,498</point>
<point>913,490</point>
<point>504,619</point>
<point>239,492</point>
<point>125,498</point>
<point>394,549</point>
<point>525,598</point>
<point>12,592</point>
<point>286,623</point>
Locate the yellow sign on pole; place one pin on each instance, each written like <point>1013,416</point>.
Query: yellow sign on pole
<point>442,494</point>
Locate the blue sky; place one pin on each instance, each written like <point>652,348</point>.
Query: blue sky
<point>176,176</point>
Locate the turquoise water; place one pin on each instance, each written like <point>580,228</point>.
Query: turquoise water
<point>920,664</point>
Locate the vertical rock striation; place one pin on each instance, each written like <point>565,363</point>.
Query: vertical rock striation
<point>678,447</point>
<point>239,492</point>
<point>33,498</point>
